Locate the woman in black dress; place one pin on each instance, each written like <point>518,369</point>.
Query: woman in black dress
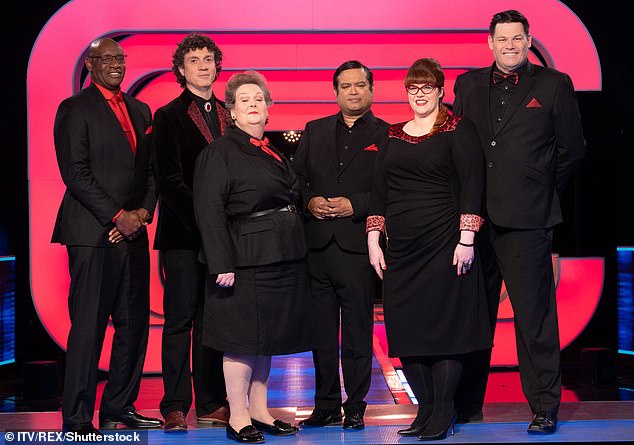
<point>426,199</point>
<point>257,301</point>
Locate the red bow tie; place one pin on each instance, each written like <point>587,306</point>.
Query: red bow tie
<point>264,146</point>
<point>501,77</point>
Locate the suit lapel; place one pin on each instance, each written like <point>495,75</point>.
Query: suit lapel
<point>223,117</point>
<point>517,98</point>
<point>197,117</point>
<point>330,136</point>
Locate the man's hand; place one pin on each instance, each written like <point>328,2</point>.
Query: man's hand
<point>144,215</point>
<point>114,236</point>
<point>320,208</point>
<point>340,207</point>
<point>129,223</point>
<point>225,279</point>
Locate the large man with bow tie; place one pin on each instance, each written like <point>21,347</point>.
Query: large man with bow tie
<point>182,128</point>
<point>528,121</point>
<point>334,163</point>
<point>101,138</point>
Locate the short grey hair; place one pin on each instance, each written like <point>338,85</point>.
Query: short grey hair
<point>249,77</point>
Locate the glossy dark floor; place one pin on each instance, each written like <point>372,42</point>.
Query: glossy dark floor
<point>588,413</point>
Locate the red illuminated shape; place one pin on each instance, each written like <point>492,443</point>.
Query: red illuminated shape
<point>296,45</point>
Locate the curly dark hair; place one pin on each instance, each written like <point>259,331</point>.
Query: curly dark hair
<point>192,42</point>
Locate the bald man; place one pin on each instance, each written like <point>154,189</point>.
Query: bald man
<point>103,157</point>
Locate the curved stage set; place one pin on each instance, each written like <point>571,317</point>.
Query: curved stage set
<point>297,45</point>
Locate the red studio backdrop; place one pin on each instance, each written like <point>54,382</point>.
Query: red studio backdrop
<point>296,45</point>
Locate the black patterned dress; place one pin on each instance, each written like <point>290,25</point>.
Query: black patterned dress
<point>426,189</point>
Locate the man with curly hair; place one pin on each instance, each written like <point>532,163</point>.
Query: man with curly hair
<point>182,128</point>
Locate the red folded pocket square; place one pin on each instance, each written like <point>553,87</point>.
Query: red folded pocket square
<point>534,104</point>
<point>372,147</point>
<point>149,130</point>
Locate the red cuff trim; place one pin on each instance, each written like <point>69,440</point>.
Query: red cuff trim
<point>471,222</point>
<point>117,215</point>
<point>375,222</point>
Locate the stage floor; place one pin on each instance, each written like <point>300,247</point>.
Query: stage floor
<point>587,414</point>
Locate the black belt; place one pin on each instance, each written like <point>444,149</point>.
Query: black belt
<point>287,208</point>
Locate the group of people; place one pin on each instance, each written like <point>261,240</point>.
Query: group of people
<point>262,256</point>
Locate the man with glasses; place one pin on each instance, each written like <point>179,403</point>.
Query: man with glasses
<point>334,163</point>
<point>104,161</point>
<point>528,121</point>
<point>182,128</point>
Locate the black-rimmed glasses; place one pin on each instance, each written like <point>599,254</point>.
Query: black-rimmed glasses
<point>426,89</point>
<point>107,60</point>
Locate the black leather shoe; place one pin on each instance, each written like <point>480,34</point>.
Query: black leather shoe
<point>130,419</point>
<point>544,422</point>
<point>474,416</point>
<point>278,428</point>
<point>248,434</point>
<point>322,417</point>
<point>86,432</point>
<point>354,420</point>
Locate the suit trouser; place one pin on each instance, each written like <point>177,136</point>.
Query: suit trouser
<point>106,282</point>
<point>523,259</point>
<point>343,288</point>
<point>183,299</point>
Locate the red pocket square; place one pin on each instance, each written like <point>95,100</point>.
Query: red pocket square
<point>149,130</point>
<point>534,104</point>
<point>372,147</point>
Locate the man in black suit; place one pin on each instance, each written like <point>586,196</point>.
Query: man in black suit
<point>182,128</point>
<point>528,121</point>
<point>334,162</point>
<point>105,163</point>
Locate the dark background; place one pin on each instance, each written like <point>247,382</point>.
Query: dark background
<point>597,204</point>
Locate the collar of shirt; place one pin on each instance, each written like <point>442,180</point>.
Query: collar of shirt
<point>361,120</point>
<point>201,102</point>
<point>521,73</point>
<point>107,94</point>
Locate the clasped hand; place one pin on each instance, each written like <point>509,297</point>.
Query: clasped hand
<point>129,225</point>
<point>330,208</point>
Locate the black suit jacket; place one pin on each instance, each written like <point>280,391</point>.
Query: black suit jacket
<point>234,179</point>
<point>179,135</point>
<point>533,152</point>
<point>316,166</point>
<point>101,173</point>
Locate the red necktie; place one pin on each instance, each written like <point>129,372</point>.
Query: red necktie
<point>117,102</point>
<point>264,146</point>
<point>500,77</point>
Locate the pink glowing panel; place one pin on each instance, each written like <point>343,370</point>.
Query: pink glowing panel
<point>296,44</point>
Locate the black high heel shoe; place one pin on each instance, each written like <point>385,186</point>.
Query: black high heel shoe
<point>414,429</point>
<point>430,435</point>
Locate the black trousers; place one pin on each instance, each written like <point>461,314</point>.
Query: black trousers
<point>106,282</point>
<point>343,288</point>
<point>523,259</point>
<point>183,299</point>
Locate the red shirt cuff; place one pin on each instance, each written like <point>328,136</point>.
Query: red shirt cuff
<point>117,215</point>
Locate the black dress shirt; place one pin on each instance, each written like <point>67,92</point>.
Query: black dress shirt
<point>210,114</point>
<point>501,92</point>
<point>349,136</point>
